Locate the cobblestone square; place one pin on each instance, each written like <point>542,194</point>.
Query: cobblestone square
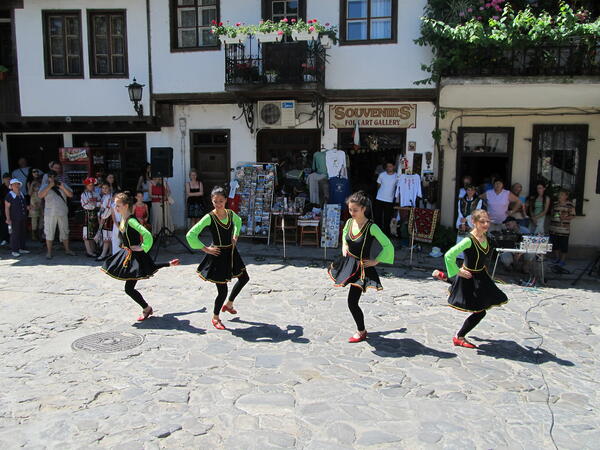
<point>283,375</point>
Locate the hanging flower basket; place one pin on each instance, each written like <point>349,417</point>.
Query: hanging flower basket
<point>269,37</point>
<point>239,39</point>
<point>305,35</point>
<point>326,41</point>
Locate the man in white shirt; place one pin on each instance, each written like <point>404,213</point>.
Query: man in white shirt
<point>384,202</point>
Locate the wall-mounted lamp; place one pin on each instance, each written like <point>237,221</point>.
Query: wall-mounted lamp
<point>135,95</point>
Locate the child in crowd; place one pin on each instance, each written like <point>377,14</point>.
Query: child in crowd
<point>140,209</point>
<point>90,202</point>
<point>36,212</point>
<point>106,223</point>
<point>563,212</point>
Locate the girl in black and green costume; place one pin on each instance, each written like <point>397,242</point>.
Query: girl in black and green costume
<point>473,290</point>
<point>356,268</point>
<point>222,261</point>
<point>132,262</point>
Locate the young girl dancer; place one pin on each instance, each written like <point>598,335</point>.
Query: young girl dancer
<point>356,268</point>
<point>222,261</point>
<point>132,262</point>
<point>472,290</point>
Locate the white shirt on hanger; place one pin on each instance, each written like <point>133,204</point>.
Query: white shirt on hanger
<point>408,189</point>
<point>336,163</point>
<point>387,187</point>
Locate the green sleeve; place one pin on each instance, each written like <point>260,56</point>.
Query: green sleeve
<point>147,239</point>
<point>192,236</point>
<point>387,252</point>
<point>237,224</point>
<point>345,231</point>
<point>450,256</point>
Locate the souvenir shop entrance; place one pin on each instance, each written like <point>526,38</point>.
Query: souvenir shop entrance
<point>376,147</point>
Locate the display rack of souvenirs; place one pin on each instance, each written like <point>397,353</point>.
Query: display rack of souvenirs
<point>256,187</point>
<point>330,229</point>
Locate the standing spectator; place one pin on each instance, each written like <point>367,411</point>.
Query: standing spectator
<point>498,201</point>
<point>520,214</point>
<point>160,197</point>
<point>466,205</point>
<point>467,180</point>
<point>106,222</point>
<point>4,190</point>
<point>15,211</point>
<point>21,173</point>
<point>55,167</point>
<point>384,202</point>
<point>538,207</point>
<point>35,205</point>
<point>143,184</point>
<point>56,210</point>
<point>563,212</point>
<point>112,183</point>
<point>194,190</point>
<point>90,202</point>
<point>140,210</point>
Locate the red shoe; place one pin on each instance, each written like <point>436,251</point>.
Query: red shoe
<point>438,274</point>
<point>462,342</point>
<point>145,315</point>
<point>218,324</point>
<point>174,262</point>
<point>226,308</point>
<point>361,337</point>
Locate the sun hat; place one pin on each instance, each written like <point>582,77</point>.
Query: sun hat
<point>13,181</point>
<point>436,252</point>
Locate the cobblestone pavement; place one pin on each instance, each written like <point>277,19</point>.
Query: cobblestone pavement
<point>282,375</point>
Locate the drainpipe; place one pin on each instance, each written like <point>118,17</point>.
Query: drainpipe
<point>437,143</point>
<point>149,37</point>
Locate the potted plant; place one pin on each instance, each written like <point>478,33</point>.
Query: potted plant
<point>328,36</point>
<point>309,73</point>
<point>306,31</point>
<point>269,31</point>
<point>271,76</point>
<point>230,34</point>
<point>3,72</point>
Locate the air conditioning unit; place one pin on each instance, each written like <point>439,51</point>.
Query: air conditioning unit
<point>277,114</point>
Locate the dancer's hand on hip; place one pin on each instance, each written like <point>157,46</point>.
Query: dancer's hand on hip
<point>136,248</point>
<point>212,250</point>
<point>464,273</point>
<point>370,262</point>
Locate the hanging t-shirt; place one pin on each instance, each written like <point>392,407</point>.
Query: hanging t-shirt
<point>387,188</point>
<point>408,189</point>
<point>319,163</point>
<point>336,163</point>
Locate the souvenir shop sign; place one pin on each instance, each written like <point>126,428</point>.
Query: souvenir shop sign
<point>74,154</point>
<point>398,115</point>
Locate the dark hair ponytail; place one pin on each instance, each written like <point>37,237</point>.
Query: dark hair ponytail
<point>218,190</point>
<point>362,199</point>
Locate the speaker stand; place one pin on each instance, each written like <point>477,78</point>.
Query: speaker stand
<point>164,232</point>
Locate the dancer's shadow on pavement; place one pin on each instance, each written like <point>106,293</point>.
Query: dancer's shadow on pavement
<point>503,349</point>
<point>265,332</point>
<point>171,322</point>
<point>401,348</point>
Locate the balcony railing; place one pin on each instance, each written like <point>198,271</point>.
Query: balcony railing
<point>546,60</point>
<point>280,63</point>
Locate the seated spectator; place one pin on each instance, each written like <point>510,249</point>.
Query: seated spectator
<point>468,203</point>
<point>516,261</point>
<point>498,201</point>
<point>519,214</point>
<point>467,180</point>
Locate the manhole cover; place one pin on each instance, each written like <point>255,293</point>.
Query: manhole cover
<point>112,341</point>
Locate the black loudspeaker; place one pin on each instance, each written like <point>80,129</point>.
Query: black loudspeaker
<point>161,161</point>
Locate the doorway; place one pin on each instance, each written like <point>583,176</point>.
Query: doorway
<point>39,149</point>
<point>210,156</point>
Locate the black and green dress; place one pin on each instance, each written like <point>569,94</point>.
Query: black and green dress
<point>228,264</point>
<point>350,269</point>
<point>127,264</point>
<point>479,292</point>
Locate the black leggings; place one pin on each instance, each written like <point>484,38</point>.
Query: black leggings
<point>471,322</point>
<point>134,293</point>
<point>353,298</point>
<point>222,292</point>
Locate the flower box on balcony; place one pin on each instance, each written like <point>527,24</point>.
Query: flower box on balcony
<point>305,35</point>
<point>239,39</point>
<point>326,41</point>
<point>269,37</point>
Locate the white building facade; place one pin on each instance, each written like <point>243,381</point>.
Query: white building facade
<point>72,60</point>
